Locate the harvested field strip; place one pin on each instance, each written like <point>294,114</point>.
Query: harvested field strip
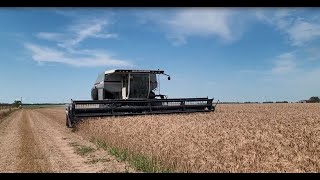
<point>235,138</point>
<point>10,142</point>
<point>33,142</point>
<point>86,157</point>
<point>32,158</point>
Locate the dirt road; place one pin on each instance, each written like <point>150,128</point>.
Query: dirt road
<point>36,140</point>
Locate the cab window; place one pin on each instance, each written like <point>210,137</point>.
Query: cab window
<point>100,78</point>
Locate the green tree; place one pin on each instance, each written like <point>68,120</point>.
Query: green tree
<point>314,99</point>
<point>17,103</point>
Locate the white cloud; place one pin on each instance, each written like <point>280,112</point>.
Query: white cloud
<point>201,22</point>
<point>72,13</point>
<point>105,35</point>
<point>288,78</point>
<point>296,62</point>
<point>66,51</point>
<point>228,24</point>
<point>80,58</point>
<point>81,13</point>
<point>176,39</point>
<point>253,71</point>
<point>284,63</point>
<point>86,29</point>
<point>299,30</point>
<point>302,32</point>
<point>281,18</point>
<point>78,32</point>
<point>313,53</point>
<point>50,36</point>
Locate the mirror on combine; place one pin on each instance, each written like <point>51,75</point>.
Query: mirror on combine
<point>169,78</point>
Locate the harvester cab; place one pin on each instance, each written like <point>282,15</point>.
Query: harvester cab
<point>126,84</point>
<point>131,92</point>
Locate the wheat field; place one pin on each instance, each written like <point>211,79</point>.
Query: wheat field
<point>234,138</point>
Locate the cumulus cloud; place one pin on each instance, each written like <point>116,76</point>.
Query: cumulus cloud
<point>284,63</point>
<point>50,36</point>
<point>66,49</point>
<point>302,32</point>
<point>198,22</point>
<point>79,58</point>
<point>299,30</point>
<point>78,32</point>
<point>87,29</point>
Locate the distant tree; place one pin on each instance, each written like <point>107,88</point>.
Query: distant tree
<point>314,99</point>
<point>17,103</point>
<point>266,102</point>
<point>281,101</point>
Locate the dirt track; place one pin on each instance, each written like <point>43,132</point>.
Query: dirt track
<point>36,140</point>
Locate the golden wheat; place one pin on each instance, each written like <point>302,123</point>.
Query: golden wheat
<point>234,138</point>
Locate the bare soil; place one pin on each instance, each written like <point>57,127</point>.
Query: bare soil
<point>36,140</point>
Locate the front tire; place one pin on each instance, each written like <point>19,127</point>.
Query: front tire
<point>94,93</point>
<point>69,124</point>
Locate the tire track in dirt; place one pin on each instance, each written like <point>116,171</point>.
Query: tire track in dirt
<point>56,115</point>
<point>9,142</point>
<point>61,140</point>
<point>32,157</point>
<point>33,142</point>
<point>58,147</point>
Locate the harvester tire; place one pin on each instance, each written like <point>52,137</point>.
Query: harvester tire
<point>68,122</point>
<point>213,108</point>
<point>152,95</point>
<point>94,94</point>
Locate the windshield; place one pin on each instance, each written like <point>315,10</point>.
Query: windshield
<point>139,86</point>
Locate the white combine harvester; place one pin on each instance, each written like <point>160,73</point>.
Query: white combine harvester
<point>131,92</point>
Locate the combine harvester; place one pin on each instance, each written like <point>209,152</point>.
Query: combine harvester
<point>131,92</point>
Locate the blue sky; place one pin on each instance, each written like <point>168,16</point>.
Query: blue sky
<point>231,54</point>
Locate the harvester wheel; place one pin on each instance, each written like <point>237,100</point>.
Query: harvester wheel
<point>152,95</point>
<point>213,108</point>
<point>94,93</point>
<point>68,122</point>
